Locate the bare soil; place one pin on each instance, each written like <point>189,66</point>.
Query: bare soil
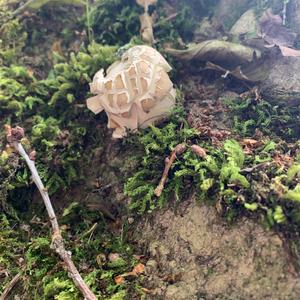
<point>194,255</point>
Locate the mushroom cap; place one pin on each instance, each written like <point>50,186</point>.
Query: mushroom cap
<point>146,53</point>
<point>135,92</point>
<point>146,2</point>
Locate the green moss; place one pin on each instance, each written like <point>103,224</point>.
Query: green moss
<point>249,114</point>
<point>13,38</point>
<point>114,22</point>
<point>59,124</point>
<point>225,175</point>
<point>42,272</point>
<point>157,143</point>
<point>293,171</point>
<point>293,195</point>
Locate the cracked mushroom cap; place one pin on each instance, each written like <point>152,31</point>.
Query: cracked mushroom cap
<point>148,54</point>
<point>135,92</point>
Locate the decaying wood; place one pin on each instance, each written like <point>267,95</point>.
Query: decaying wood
<point>14,136</point>
<point>179,149</point>
<point>10,286</point>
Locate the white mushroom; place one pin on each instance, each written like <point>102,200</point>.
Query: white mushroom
<point>135,92</point>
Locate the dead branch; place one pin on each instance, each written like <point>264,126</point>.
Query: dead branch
<point>256,167</point>
<point>179,149</point>
<point>14,136</point>
<point>10,286</point>
<point>22,8</point>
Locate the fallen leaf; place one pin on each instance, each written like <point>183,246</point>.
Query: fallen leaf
<point>199,151</point>
<point>286,51</point>
<point>283,159</point>
<point>172,278</point>
<point>147,291</point>
<point>250,142</point>
<point>139,269</point>
<point>273,32</point>
<point>119,279</point>
<point>138,257</point>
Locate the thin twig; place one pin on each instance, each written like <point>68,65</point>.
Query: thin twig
<point>10,286</point>
<point>167,19</point>
<point>284,13</point>
<point>14,136</point>
<point>179,149</point>
<point>251,169</point>
<point>22,8</point>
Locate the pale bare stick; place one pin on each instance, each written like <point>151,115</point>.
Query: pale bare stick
<point>179,149</point>
<point>10,286</point>
<point>22,8</point>
<point>14,136</point>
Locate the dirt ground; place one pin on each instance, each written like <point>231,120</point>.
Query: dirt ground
<point>195,255</point>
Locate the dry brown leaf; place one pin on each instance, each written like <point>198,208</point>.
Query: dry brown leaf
<point>283,159</point>
<point>273,32</point>
<point>172,278</point>
<point>30,71</point>
<point>250,142</point>
<point>139,269</point>
<point>119,279</point>
<point>147,291</point>
<point>199,151</point>
<point>138,257</point>
<point>56,47</point>
<point>286,51</point>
